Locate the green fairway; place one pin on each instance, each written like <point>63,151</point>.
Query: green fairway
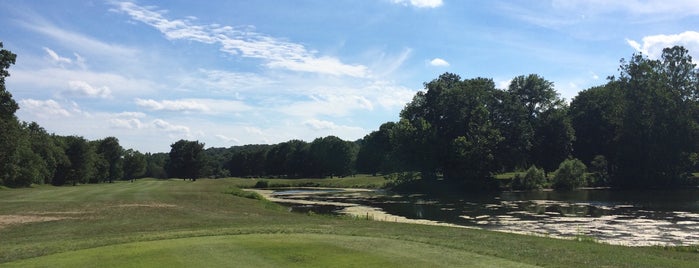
<point>270,250</point>
<point>184,223</point>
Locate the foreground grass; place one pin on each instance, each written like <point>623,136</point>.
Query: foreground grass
<point>180,223</point>
<point>271,250</point>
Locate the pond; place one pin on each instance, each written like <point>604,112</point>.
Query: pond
<point>634,218</point>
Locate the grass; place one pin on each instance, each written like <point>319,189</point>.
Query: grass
<point>270,250</point>
<point>357,181</point>
<point>176,223</point>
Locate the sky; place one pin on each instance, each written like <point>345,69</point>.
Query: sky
<point>230,73</point>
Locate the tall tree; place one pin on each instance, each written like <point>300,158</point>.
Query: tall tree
<point>553,138</point>
<point>596,117</point>
<point>9,126</point>
<point>81,161</point>
<point>186,159</point>
<point>659,129</point>
<point>375,151</point>
<point>112,153</point>
<point>134,164</point>
<point>46,148</point>
<point>331,156</point>
<point>449,129</point>
<point>535,93</point>
<point>155,166</point>
<point>547,118</point>
<point>511,118</point>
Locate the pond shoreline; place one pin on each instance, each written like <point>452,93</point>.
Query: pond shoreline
<point>350,209</point>
<point>618,224</point>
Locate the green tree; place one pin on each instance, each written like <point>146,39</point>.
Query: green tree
<point>511,118</point>
<point>134,164</point>
<point>187,160</point>
<point>112,154</point>
<point>248,160</point>
<point>375,151</point>
<point>553,138</point>
<point>599,167</point>
<point>449,129</point>
<point>331,156</point>
<point>48,150</point>
<point>9,126</point>
<point>155,166</point>
<point>535,93</point>
<point>80,165</point>
<point>659,129</point>
<point>534,179</point>
<point>570,175</point>
<point>596,117</point>
<point>547,117</point>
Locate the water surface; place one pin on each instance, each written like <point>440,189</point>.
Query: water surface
<point>635,218</point>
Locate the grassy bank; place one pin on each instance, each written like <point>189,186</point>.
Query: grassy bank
<point>177,223</point>
<point>356,181</point>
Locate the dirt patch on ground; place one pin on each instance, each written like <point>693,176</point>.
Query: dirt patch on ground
<point>7,220</point>
<point>147,205</point>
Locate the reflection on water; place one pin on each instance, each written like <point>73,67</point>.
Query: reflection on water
<point>619,217</point>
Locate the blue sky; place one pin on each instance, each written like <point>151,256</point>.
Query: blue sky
<point>247,72</point>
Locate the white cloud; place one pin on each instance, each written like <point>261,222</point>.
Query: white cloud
<point>504,84</point>
<point>56,58</point>
<point>220,81</point>
<point>210,106</point>
<point>82,88</point>
<point>172,105</point>
<point>328,104</point>
<point>167,126</point>
<point>76,41</point>
<point>131,114</point>
<point>51,79</point>
<point>420,3</point>
<point>244,42</point>
<point>439,62</point>
<point>226,139</point>
<point>43,108</point>
<point>320,124</point>
<point>653,45</point>
<point>126,123</point>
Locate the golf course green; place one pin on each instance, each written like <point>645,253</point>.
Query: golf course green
<point>175,223</point>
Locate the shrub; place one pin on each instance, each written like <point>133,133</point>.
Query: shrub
<point>569,175</point>
<point>261,184</point>
<point>534,179</point>
<point>246,194</point>
<point>401,178</point>
<point>599,170</point>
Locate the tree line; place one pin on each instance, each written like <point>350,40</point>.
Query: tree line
<point>640,129</point>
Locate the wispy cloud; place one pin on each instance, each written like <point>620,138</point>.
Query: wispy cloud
<point>319,124</point>
<point>81,82</point>
<point>559,14</point>
<point>56,58</point>
<point>78,41</point>
<point>243,41</point>
<point>420,3</point>
<point>209,106</point>
<point>653,45</point>
<point>677,8</point>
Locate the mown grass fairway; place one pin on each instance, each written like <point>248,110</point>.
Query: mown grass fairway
<point>270,250</point>
<point>176,223</point>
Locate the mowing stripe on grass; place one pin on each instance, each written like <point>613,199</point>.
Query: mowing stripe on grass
<point>270,250</point>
